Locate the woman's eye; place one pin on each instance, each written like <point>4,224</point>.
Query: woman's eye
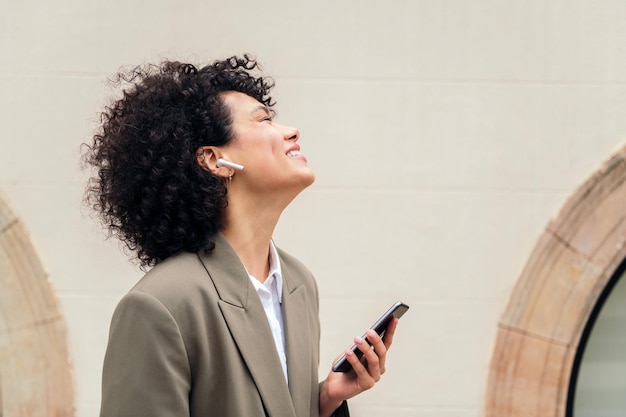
<point>267,119</point>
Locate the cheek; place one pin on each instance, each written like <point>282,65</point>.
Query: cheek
<point>270,145</point>
<point>260,145</point>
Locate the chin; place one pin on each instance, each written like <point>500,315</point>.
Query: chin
<point>304,182</point>
<point>311,179</point>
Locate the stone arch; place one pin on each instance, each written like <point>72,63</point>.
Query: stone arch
<point>540,331</point>
<point>35,376</point>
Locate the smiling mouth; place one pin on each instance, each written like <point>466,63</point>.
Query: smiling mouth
<point>293,153</point>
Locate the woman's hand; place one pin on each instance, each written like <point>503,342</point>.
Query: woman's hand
<point>365,373</point>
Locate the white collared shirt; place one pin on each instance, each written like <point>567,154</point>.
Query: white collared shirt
<point>271,294</point>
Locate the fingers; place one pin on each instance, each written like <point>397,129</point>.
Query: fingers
<point>372,364</point>
<point>369,364</point>
<point>391,330</point>
<point>377,354</point>
<point>366,376</point>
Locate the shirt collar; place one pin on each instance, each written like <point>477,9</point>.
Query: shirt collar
<point>275,270</point>
<point>275,275</point>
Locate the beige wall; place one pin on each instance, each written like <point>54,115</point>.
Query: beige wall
<point>444,133</point>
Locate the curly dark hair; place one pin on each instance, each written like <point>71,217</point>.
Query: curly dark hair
<point>148,190</point>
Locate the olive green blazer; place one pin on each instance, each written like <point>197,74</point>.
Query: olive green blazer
<point>191,338</point>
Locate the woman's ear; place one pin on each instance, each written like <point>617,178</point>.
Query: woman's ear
<point>206,158</point>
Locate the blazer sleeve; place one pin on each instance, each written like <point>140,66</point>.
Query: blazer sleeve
<point>146,368</point>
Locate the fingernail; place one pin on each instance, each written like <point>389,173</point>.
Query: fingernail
<point>349,352</point>
<point>358,340</point>
<point>372,335</point>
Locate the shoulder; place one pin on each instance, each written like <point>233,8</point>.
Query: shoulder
<point>177,279</point>
<point>175,268</point>
<point>176,291</point>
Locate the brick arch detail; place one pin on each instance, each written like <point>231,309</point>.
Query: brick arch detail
<point>35,374</point>
<point>539,333</point>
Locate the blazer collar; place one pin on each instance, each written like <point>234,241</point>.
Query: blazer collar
<point>247,322</point>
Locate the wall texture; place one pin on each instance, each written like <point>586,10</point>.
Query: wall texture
<point>445,135</point>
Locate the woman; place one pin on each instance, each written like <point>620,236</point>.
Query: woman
<point>224,323</point>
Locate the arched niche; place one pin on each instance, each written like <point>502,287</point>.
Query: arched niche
<point>35,376</point>
<point>540,331</point>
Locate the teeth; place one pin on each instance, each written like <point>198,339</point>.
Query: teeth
<point>293,153</point>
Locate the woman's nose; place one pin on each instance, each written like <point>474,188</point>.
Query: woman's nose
<point>291,133</point>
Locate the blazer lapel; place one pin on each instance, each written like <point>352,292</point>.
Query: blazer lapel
<point>246,319</point>
<point>299,341</point>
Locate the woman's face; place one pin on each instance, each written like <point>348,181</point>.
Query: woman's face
<point>269,151</point>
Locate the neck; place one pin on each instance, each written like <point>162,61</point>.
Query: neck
<point>249,228</point>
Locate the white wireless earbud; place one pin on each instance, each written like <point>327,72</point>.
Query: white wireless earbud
<point>224,163</point>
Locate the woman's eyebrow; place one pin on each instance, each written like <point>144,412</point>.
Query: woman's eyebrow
<point>262,108</point>
<point>265,110</point>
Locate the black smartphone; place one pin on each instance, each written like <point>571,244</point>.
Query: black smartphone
<point>396,310</point>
